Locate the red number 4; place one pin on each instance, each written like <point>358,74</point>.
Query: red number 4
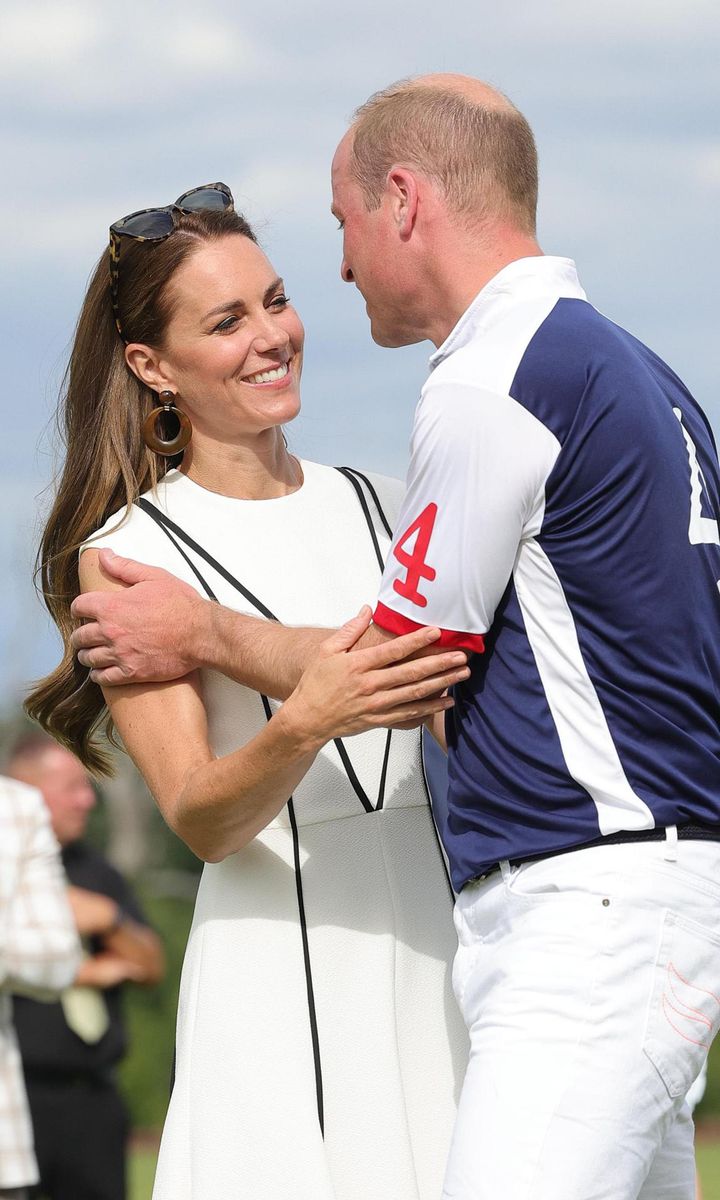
<point>414,560</point>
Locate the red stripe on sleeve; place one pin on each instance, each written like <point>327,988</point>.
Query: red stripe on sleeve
<point>450,639</point>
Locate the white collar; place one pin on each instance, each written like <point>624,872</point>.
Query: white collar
<point>522,279</point>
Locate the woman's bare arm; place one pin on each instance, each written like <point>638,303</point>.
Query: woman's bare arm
<point>218,805</point>
<point>154,628</point>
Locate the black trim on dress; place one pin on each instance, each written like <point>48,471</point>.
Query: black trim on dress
<point>176,534</point>
<point>347,471</point>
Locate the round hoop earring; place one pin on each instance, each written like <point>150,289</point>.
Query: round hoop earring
<point>154,428</point>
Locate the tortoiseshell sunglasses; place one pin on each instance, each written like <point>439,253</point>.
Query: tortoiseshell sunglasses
<point>156,224</point>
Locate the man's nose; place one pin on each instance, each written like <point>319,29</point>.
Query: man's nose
<point>345,273</point>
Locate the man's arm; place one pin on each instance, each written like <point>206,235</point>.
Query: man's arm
<point>476,489</point>
<point>157,628</point>
<point>131,950</point>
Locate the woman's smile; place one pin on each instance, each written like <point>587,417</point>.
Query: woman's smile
<point>269,377</point>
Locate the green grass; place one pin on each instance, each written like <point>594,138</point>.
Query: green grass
<point>708,1160</point>
<point>142,1170</point>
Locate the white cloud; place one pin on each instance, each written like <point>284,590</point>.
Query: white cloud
<point>706,167</point>
<point>211,48</point>
<point>46,35</point>
<point>617,22</point>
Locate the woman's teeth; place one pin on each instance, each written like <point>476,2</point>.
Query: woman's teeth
<point>268,376</point>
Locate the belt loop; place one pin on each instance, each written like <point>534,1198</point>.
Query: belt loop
<point>505,869</point>
<point>671,844</point>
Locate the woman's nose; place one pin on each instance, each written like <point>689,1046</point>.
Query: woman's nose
<point>272,333</point>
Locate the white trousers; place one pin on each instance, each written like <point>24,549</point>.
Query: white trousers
<point>590,985</point>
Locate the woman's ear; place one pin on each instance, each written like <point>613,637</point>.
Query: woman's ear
<point>146,365</point>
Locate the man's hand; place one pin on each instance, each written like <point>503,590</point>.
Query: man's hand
<point>106,971</point>
<point>148,631</point>
<point>130,950</point>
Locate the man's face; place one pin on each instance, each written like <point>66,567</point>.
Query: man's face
<point>371,253</point>
<point>67,792</point>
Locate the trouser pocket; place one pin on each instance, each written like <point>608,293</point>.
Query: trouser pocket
<point>685,1005</point>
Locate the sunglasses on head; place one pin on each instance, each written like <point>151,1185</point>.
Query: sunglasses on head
<point>156,224</point>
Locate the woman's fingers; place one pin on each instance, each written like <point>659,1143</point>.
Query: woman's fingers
<point>395,649</point>
<point>421,695</point>
<point>411,715</point>
<point>424,689</point>
<point>344,638</point>
<point>422,670</point>
<point>406,715</point>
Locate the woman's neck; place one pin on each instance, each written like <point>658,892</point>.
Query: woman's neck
<point>259,470</point>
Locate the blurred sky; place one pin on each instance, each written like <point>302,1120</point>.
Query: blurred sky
<point>107,108</point>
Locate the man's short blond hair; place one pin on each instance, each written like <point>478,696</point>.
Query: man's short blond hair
<point>482,156</point>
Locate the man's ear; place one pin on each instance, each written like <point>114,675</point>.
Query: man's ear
<point>145,363</point>
<point>403,191</point>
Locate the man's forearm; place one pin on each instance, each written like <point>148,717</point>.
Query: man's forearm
<point>150,627</point>
<point>263,655</point>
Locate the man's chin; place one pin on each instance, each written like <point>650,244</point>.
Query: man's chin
<point>392,339</point>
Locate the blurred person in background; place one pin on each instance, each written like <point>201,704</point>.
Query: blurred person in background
<point>39,956</point>
<point>71,1049</point>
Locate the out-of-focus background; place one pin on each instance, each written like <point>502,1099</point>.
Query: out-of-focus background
<point>109,108</point>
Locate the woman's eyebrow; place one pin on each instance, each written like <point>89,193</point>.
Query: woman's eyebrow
<point>229,304</point>
<point>239,305</point>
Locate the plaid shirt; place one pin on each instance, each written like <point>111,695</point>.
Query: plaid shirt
<point>39,954</point>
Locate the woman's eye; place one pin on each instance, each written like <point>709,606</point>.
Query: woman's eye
<point>226,325</point>
<point>280,301</point>
<point>341,224</point>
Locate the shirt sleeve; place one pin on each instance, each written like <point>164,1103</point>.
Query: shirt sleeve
<point>40,950</point>
<point>476,488</point>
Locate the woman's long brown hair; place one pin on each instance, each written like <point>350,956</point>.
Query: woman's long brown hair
<point>107,465</point>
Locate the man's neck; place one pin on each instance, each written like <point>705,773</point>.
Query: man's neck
<point>465,269</point>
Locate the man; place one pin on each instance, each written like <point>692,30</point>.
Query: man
<point>561,523</point>
<point>70,1050</point>
<point>39,955</point>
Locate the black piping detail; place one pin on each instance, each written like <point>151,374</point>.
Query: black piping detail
<point>383,773</point>
<point>366,511</point>
<point>372,492</point>
<point>162,519</point>
<point>350,474</point>
<point>166,524</point>
<point>426,785</point>
<point>159,518</point>
<point>312,1012</point>
<point>350,772</point>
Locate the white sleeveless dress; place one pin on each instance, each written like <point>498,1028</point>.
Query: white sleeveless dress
<point>319,1049</point>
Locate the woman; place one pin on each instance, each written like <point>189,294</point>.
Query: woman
<point>318,1046</point>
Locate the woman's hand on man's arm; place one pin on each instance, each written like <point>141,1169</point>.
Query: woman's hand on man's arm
<point>147,626</point>
<point>218,805</point>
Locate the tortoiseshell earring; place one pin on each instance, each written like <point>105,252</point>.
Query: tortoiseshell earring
<point>155,425</point>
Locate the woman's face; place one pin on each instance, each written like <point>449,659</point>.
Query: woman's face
<point>233,347</point>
